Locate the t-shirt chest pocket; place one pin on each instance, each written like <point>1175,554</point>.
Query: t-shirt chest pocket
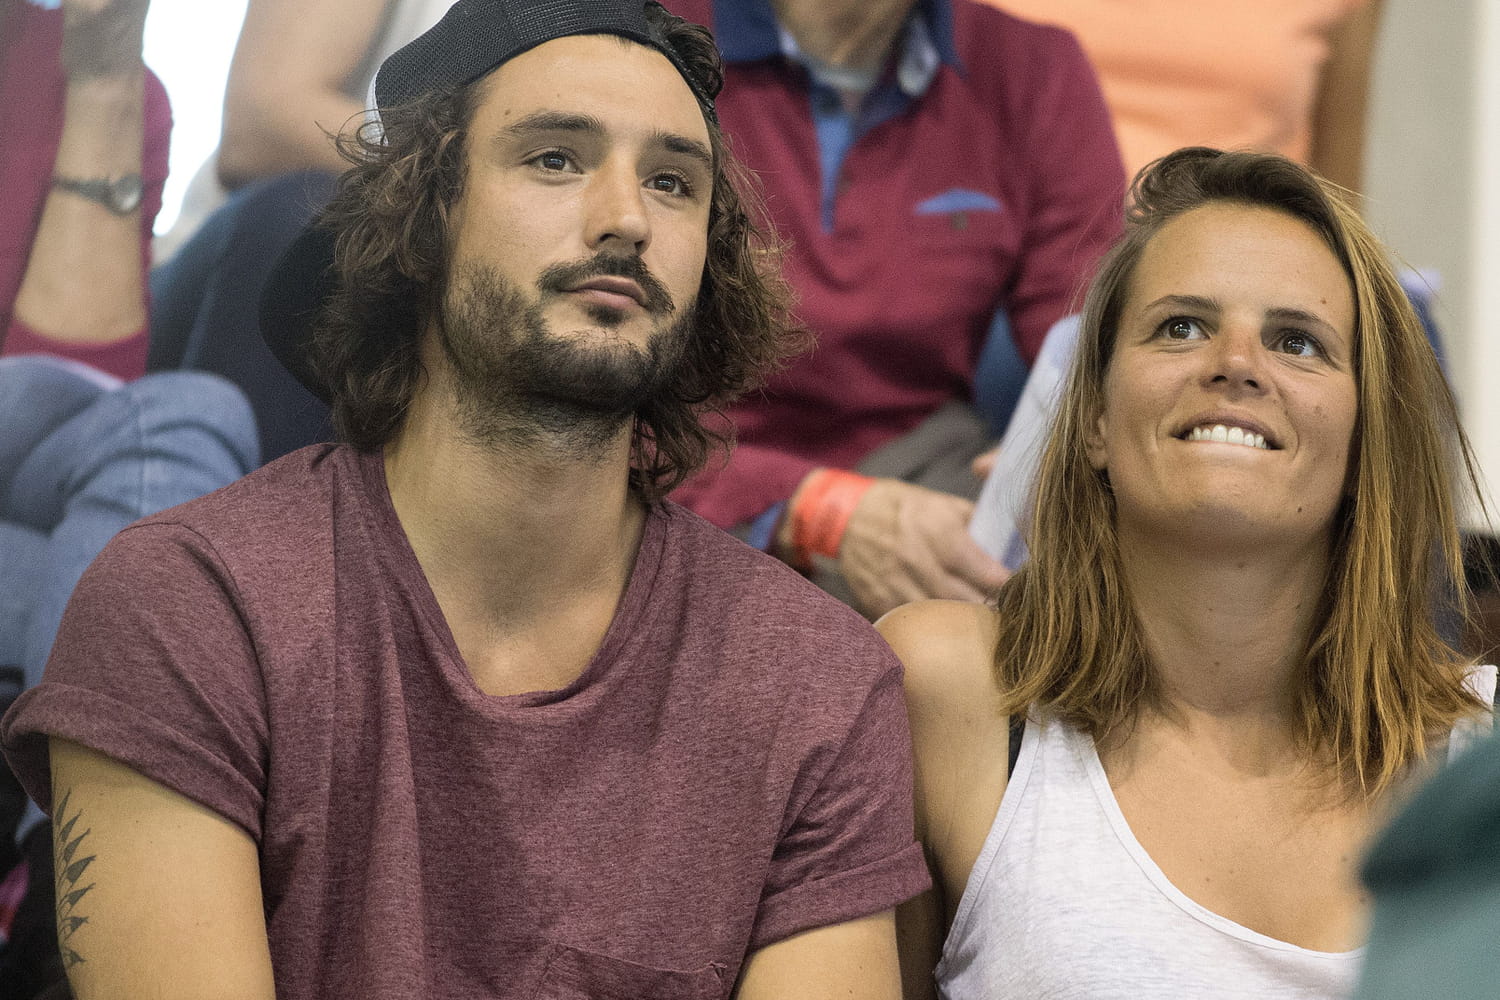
<point>572,974</point>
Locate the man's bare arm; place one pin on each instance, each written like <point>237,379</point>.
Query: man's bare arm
<point>853,959</point>
<point>156,895</point>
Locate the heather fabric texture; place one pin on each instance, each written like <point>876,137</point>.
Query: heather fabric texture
<point>32,89</point>
<point>995,189</point>
<point>731,768</point>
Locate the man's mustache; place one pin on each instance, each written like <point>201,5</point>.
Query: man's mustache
<point>560,278</point>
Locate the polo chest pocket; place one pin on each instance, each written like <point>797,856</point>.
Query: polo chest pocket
<point>572,974</point>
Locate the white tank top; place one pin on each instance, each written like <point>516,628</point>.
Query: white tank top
<point>1064,903</point>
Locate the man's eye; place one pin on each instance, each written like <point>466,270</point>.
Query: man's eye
<point>552,161</point>
<point>1301,344</point>
<point>671,184</point>
<point>1181,328</point>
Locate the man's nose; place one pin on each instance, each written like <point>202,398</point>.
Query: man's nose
<point>617,217</point>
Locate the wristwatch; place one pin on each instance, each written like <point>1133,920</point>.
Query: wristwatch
<point>121,195</point>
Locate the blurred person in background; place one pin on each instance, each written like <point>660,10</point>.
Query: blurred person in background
<point>1285,76</point>
<point>946,177</point>
<point>301,74</point>
<point>86,444</point>
<point>1435,875</point>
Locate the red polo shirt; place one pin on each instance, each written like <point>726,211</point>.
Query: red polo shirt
<point>996,188</point>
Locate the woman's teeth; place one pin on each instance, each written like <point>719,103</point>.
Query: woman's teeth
<point>1227,435</point>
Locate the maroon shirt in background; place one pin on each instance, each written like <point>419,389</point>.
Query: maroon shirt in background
<point>901,296</point>
<point>733,766</point>
<point>32,89</point>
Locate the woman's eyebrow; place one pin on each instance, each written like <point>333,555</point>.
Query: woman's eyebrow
<point>1201,303</point>
<point>1287,314</point>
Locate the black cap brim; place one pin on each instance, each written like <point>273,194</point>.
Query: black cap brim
<point>295,291</point>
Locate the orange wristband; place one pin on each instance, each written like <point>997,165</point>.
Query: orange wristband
<point>822,512</point>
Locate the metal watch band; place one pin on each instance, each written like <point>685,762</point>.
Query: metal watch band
<point>121,195</point>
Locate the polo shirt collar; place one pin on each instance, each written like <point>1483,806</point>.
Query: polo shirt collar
<point>746,31</point>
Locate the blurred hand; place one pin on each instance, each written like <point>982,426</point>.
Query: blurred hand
<point>904,543</point>
<point>984,463</point>
<point>102,37</point>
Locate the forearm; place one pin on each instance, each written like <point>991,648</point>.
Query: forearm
<point>261,138</point>
<point>296,77</point>
<point>818,514</point>
<point>85,276</point>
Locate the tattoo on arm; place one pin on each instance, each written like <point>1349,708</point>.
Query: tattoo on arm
<point>70,862</point>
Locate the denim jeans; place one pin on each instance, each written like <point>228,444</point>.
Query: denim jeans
<point>82,456</point>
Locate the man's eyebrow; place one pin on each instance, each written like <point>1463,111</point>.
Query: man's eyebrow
<point>568,121</point>
<point>681,144</point>
<point>553,121</point>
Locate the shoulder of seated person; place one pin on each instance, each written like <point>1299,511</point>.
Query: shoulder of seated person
<point>947,648</point>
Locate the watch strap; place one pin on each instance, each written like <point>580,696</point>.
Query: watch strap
<point>121,195</point>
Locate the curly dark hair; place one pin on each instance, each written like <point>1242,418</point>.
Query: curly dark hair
<point>390,217</point>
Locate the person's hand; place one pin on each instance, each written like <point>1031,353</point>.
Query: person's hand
<point>905,543</point>
<point>102,37</point>
<point>984,463</point>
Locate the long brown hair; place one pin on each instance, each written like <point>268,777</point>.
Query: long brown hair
<point>391,216</point>
<point>1377,679</point>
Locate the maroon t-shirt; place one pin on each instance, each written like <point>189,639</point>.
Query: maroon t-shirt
<point>731,768</point>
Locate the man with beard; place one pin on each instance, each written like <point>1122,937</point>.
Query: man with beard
<point>462,707</point>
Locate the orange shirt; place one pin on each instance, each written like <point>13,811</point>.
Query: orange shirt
<point>1235,74</point>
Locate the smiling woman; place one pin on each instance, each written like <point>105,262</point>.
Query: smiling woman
<point>1239,320</point>
<point>1189,711</point>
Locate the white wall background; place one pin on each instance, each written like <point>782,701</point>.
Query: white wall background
<point>1433,166</point>
<point>188,45</point>
<point>1481,394</point>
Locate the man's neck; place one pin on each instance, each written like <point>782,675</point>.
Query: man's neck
<point>849,34</point>
<point>527,546</point>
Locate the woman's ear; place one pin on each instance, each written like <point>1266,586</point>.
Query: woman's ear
<point>1094,446</point>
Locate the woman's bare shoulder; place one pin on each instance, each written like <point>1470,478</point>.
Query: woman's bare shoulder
<point>947,647</point>
<point>960,738</point>
<point>948,650</point>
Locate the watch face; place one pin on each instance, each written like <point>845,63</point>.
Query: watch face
<point>125,193</point>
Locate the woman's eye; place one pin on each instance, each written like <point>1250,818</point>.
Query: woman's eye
<point>1182,328</point>
<point>1301,344</point>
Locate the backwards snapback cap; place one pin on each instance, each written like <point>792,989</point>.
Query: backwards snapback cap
<point>476,36</point>
<point>473,38</point>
